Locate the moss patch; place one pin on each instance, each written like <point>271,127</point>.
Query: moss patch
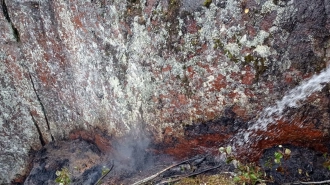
<point>207,3</point>
<point>217,44</point>
<point>258,64</point>
<point>210,180</point>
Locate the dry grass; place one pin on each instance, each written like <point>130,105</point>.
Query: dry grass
<point>207,180</point>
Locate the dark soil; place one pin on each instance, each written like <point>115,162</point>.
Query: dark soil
<point>302,165</point>
<point>132,162</point>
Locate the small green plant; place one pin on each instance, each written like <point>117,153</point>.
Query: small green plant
<point>269,163</point>
<point>278,157</point>
<point>227,151</point>
<point>282,153</point>
<point>326,164</point>
<point>246,173</point>
<point>63,176</point>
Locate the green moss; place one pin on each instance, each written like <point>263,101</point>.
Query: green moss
<point>194,42</point>
<point>173,3</point>
<point>133,9</point>
<point>172,13</point>
<point>203,179</point>
<point>269,163</point>
<point>185,80</point>
<point>217,44</point>
<point>207,3</point>
<point>248,58</point>
<point>320,65</point>
<point>258,64</point>
<point>231,56</point>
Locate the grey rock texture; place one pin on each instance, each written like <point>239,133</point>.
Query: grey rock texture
<point>121,66</point>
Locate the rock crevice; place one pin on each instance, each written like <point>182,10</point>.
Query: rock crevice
<point>43,111</point>
<point>6,14</point>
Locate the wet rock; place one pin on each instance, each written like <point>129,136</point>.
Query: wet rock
<point>120,66</point>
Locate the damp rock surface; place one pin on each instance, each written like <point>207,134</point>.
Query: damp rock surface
<point>157,66</point>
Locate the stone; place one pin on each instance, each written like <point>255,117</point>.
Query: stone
<point>127,66</point>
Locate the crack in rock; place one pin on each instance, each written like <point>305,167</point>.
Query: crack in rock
<point>6,14</point>
<point>42,108</point>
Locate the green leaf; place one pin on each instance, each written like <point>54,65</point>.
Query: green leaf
<point>246,175</point>
<point>221,149</point>
<point>228,149</point>
<point>278,155</point>
<point>325,155</point>
<point>253,176</point>
<point>237,179</point>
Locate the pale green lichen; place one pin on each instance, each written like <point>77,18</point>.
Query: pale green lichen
<point>257,40</point>
<point>262,50</point>
<point>268,7</point>
<point>233,49</point>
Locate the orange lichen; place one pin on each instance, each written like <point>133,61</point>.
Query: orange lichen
<point>187,147</point>
<point>283,132</point>
<point>101,140</point>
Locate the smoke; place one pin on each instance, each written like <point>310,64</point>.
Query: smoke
<point>130,154</point>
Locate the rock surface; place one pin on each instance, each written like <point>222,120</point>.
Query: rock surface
<point>157,66</point>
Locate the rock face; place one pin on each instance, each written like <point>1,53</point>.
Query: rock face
<point>156,66</point>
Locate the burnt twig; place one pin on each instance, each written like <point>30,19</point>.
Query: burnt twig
<point>105,174</point>
<point>317,182</point>
<point>190,175</point>
<point>162,171</point>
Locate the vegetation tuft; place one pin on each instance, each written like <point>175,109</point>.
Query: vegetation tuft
<point>63,176</point>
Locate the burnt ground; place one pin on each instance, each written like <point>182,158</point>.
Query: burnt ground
<point>136,157</point>
<point>86,163</point>
<point>303,164</point>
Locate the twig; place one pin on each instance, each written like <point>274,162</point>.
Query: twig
<point>193,174</point>
<point>317,182</point>
<point>156,174</point>
<point>98,182</point>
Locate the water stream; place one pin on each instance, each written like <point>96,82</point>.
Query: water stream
<point>292,99</point>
